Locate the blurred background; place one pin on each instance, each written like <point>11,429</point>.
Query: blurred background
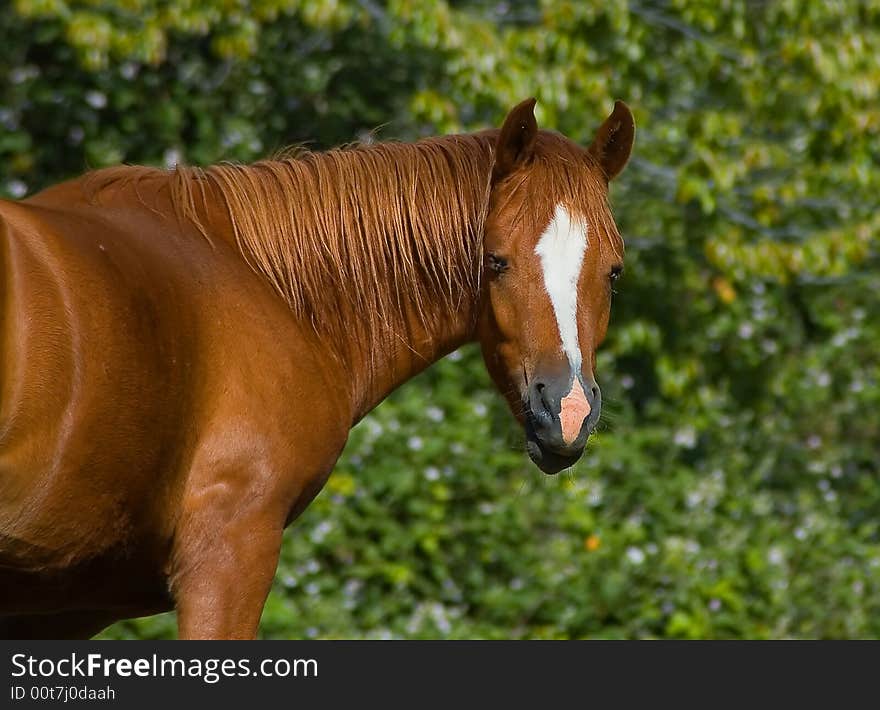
<point>733,488</point>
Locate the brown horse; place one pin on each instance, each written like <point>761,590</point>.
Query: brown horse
<point>184,352</point>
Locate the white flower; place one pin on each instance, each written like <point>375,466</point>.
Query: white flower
<point>686,437</point>
<point>171,157</point>
<point>16,188</point>
<point>128,70</point>
<point>321,531</point>
<point>96,99</point>
<point>635,555</point>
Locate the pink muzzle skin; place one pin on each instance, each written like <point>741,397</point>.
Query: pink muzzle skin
<point>574,409</point>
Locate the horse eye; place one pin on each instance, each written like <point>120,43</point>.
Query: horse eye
<point>616,271</point>
<point>497,263</point>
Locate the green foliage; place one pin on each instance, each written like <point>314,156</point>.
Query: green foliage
<point>733,489</point>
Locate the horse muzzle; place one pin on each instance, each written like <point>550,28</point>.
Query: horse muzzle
<point>561,413</point>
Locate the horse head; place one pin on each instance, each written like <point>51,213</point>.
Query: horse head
<point>552,252</point>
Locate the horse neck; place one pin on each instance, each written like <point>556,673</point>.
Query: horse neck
<point>415,347</point>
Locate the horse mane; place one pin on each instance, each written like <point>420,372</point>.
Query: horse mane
<point>361,236</point>
<point>328,230</point>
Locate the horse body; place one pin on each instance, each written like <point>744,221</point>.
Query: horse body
<point>95,311</point>
<point>183,354</point>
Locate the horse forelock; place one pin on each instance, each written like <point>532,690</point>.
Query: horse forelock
<point>566,176</point>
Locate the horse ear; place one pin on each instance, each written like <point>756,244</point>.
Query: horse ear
<point>516,142</point>
<point>614,141</point>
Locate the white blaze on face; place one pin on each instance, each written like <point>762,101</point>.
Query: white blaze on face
<point>561,250</point>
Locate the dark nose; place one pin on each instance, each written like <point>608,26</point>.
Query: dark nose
<point>564,411</point>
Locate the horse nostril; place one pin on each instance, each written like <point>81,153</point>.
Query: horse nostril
<point>541,397</point>
<point>595,391</point>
